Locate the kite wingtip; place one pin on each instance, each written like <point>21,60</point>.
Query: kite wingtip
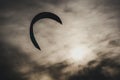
<point>60,22</point>
<point>38,48</point>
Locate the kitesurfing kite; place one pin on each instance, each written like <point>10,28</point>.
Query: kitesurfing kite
<point>39,16</point>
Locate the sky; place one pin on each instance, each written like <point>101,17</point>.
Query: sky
<point>85,47</point>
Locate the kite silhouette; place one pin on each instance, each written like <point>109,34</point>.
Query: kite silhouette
<point>40,16</point>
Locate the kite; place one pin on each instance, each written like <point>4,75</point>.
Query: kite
<point>40,16</point>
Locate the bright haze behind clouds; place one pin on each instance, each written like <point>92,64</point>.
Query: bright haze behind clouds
<point>85,47</point>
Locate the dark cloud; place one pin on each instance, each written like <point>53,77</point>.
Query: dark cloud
<point>110,3</point>
<point>55,70</point>
<point>115,42</point>
<point>109,6</point>
<point>27,4</point>
<point>11,58</point>
<point>106,69</point>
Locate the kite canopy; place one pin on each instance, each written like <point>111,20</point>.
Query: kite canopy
<point>39,16</point>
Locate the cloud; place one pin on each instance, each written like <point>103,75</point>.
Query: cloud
<point>16,4</point>
<point>11,59</point>
<point>105,70</point>
<point>16,64</point>
<point>91,24</point>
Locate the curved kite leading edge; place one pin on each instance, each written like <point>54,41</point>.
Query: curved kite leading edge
<point>38,17</point>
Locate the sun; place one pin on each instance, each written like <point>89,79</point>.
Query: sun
<point>81,54</point>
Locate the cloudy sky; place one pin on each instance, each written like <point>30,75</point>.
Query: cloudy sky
<point>85,47</point>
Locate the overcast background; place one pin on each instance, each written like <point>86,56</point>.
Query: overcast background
<point>85,47</point>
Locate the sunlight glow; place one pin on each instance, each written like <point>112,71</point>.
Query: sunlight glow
<point>80,55</point>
